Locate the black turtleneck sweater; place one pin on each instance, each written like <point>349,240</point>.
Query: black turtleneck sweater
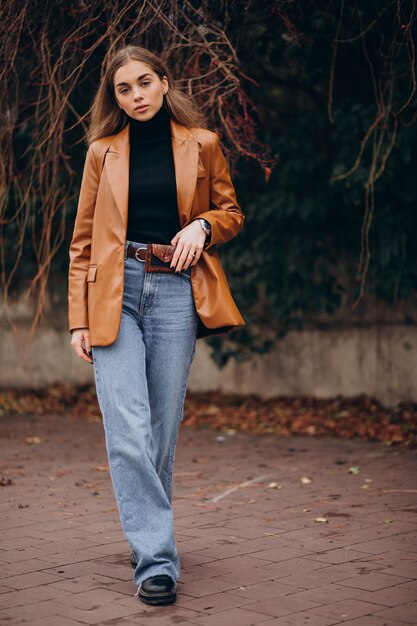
<point>153,210</point>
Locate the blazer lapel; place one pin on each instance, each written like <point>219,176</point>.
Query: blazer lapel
<point>185,154</point>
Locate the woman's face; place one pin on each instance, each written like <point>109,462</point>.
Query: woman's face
<point>139,90</point>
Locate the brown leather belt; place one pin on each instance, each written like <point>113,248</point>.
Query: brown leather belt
<point>157,256</point>
<point>137,253</point>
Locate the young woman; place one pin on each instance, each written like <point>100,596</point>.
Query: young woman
<point>145,281</point>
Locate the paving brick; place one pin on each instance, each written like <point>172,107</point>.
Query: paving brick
<point>23,567</point>
<point>203,572</point>
<point>19,542</point>
<point>46,536</point>
<point>283,605</point>
<point>64,558</point>
<point>329,574</point>
<point>214,603</point>
<point>121,572</point>
<point>240,564</point>
<point>251,532</point>
<point>90,599</point>
<point>199,589</point>
<point>30,595</point>
<point>392,596</point>
<point>56,547</point>
<point>376,532</point>
<point>233,617</point>
<point>160,616</point>
<point>74,570</point>
<point>408,570</point>
<point>17,525</point>
<point>29,580</point>
<point>410,586</point>
<point>193,558</point>
<point>372,582</point>
<point>405,612</point>
<point>330,592</point>
<point>110,536</point>
<point>371,620</point>
<point>339,555</point>
<point>300,619</point>
<point>291,566</point>
<point>126,587</point>
<point>53,620</point>
<point>248,577</point>
<point>27,611</point>
<point>84,583</point>
<point>97,615</point>
<point>4,590</point>
<point>281,553</point>
<point>389,559</point>
<point>263,590</point>
<point>345,610</point>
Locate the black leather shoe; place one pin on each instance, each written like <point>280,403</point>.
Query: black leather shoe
<point>133,561</point>
<point>159,589</point>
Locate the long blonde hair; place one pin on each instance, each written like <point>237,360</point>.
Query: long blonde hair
<point>106,116</point>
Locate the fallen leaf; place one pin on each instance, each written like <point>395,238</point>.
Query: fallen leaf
<point>305,480</point>
<point>5,482</point>
<point>33,439</point>
<point>322,520</point>
<point>354,470</point>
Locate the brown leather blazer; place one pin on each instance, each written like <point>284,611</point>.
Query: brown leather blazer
<point>96,269</point>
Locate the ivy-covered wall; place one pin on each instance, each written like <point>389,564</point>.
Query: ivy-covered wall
<point>338,218</point>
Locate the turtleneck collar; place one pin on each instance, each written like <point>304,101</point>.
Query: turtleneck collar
<point>157,127</point>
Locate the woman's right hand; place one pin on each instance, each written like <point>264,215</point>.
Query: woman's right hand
<point>78,336</point>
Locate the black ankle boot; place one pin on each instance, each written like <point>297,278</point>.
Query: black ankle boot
<point>159,589</point>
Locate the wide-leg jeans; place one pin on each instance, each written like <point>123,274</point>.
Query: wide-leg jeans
<point>141,381</point>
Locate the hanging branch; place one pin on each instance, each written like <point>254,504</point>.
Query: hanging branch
<point>382,131</point>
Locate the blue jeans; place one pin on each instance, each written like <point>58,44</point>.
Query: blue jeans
<point>141,381</point>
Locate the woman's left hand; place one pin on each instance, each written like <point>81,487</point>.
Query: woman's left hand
<point>189,243</point>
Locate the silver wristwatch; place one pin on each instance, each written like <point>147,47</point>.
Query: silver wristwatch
<point>205,225</point>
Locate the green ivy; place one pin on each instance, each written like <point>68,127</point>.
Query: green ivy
<point>302,236</point>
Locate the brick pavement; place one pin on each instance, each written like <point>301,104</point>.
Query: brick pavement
<point>251,549</point>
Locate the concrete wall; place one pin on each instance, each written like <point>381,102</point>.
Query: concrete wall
<point>372,350</point>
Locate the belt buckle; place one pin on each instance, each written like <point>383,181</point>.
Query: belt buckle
<point>137,253</point>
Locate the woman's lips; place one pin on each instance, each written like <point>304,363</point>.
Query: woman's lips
<point>141,108</point>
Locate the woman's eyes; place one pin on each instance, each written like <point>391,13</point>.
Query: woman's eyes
<point>144,84</point>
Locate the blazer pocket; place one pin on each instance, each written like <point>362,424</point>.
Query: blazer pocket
<point>201,173</point>
<point>91,274</point>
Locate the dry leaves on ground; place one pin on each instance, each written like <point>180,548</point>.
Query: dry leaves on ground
<point>360,416</point>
